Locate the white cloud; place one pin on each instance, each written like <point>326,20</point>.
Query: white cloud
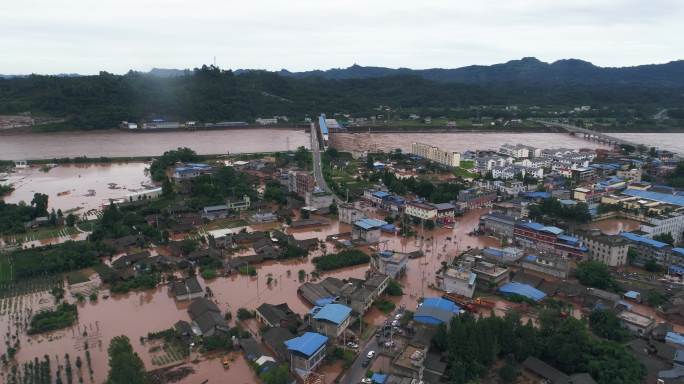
<point>85,36</point>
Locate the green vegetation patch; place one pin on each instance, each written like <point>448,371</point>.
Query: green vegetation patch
<point>64,316</point>
<point>77,277</point>
<point>340,260</point>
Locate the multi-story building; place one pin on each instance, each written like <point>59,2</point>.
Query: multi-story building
<point>497,224</point>
<point>548,239</point>
<point>473,198</point>
<point>421,210</point>
<point>487,272</point>
<point>390,263</point>
<point>548,265</point>
<point>306,353</point>
<point>518,151</point>
<point>631,174</point>
<point>331,320</point>
<point>672,223</point>
<point>648,249</point>
<point>348,213</point>
<point>430,152</point>
<point>457,280</point>
<point>610,250</point>
<point>300,182</point>
<point>446,212</point>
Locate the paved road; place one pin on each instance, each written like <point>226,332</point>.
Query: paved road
<point>357,372</point>
<point>318,170</point>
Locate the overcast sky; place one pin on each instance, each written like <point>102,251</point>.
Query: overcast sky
<point>86,36</point>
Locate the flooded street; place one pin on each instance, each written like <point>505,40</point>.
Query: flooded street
<point>114,143</point>
<point>455,141</point>
<point>78,186</point>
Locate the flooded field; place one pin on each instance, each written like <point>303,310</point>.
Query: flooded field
<point>124,144</point>
<point>78,186</point>
<point>456,141</point>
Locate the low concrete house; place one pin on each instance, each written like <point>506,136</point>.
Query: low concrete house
<point>187,289</point>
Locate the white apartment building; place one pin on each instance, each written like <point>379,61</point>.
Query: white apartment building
<point>518,151</point>
<point>672,223</point>
<point>430,152</point>
<point>421,210</point>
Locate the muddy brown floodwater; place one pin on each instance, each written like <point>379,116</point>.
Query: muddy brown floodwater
<point>115,143</point>
<point>615,226</point>
<point>456,141</point>
<point>82,186</point>
<point>137,313</point>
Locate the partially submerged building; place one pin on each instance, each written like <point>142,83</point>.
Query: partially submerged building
<point>306,353</point>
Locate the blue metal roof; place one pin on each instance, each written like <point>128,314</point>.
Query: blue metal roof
<point>438,302</point>
<point>678,250</point>
<point>531,258</point>
<point>381,194</point>
<point>569,239</point>
<point>533,225</point>
<point>334,313</point>
<point>435,310</point>
<point>644,240</point>
<point>632,295</point>
<point>554,230</point>
<point>523,290</point>
<point>675,338</point>
<point>493,252</point>
<point>369,223</point>
<point>388,228</point>
<point>307,344</point>
<point>677,269</point>
<point>378,378</point>
<point>536,195</point>
<point>657,196</point>
<point>323,124</point>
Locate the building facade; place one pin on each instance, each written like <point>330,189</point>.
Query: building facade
<point>430,152</point>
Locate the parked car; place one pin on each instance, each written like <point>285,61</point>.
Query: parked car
<point>352,345</point>
<point>366,380</point>
<point>365,363</point>
<point>371,354</point>
<point>395,323</point>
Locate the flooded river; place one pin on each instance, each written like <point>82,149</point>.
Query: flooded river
<point>116,143</point>
<point>671,141</point>
<point>456,141</point>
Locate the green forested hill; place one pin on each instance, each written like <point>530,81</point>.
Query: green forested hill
<point>209,94</point>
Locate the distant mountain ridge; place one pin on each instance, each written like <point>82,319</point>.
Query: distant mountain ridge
<point>528,70</point>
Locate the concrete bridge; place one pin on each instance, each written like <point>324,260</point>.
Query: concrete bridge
<point>587,134</point>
